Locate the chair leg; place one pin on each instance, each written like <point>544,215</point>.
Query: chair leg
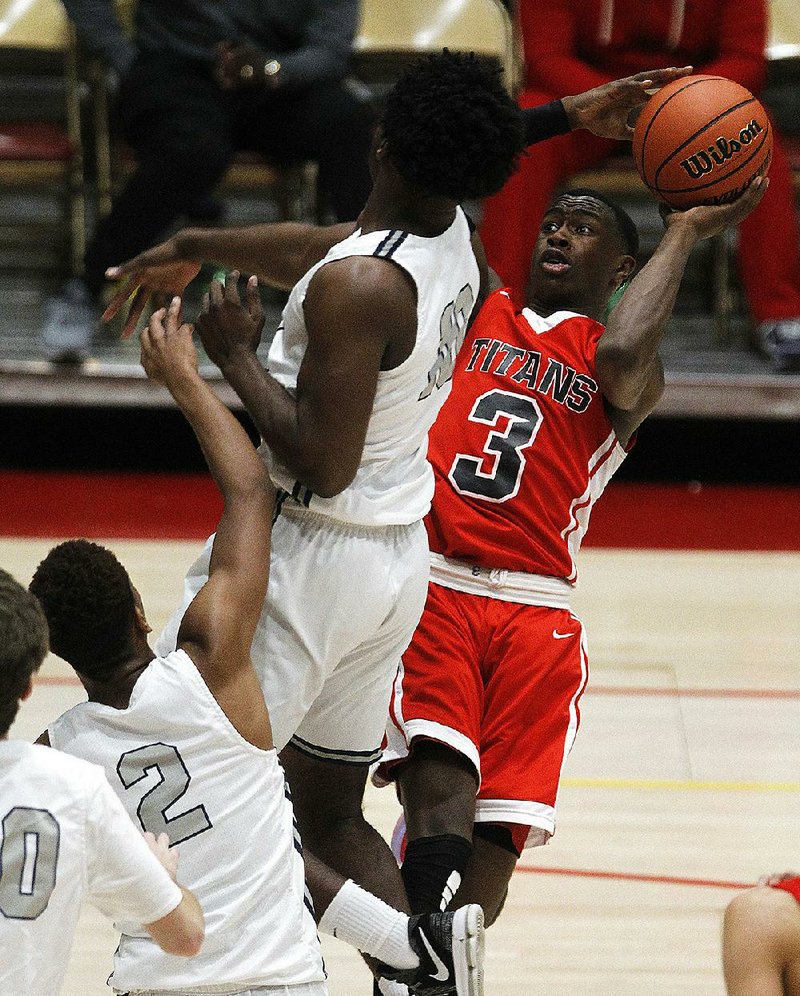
<point>722,287</point>
<point>75,176</point>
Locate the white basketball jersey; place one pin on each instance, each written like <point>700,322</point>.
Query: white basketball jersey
<point>181,768</point>
<point>63,836</point>
<point>393,484</point>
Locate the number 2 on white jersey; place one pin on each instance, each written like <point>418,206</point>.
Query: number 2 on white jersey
<point>495,475</point>
<point>174,778</point>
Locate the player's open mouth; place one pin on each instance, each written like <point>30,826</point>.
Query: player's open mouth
<point>553,261</point>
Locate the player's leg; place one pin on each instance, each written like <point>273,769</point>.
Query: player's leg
<point>496,850</point>
<point>535,672</point>
<point>447,860</point>
<point>522,748</point>
<point>437,786</point>
<point>327,798</point>
<point>761,944</point>
<point>327,759</point>
<point>356,617</point>
<point>434,945</point>
<point>432,750</point>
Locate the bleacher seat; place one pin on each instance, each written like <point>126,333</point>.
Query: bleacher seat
<point>40,136</point>
<point>391,34</point>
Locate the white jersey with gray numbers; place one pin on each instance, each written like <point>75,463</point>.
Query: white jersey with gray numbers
<point>180,767</point>
<point>393,484</point>
<point>64,836</point>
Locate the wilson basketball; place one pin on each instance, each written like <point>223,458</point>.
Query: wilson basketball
<point>701,140</point>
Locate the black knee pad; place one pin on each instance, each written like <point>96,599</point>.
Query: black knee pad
<point>498,834</point>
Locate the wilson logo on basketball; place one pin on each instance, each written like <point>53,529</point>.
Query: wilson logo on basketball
<point>703,162</point>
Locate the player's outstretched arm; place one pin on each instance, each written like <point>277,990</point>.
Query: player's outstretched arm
<point>629,370</point>
<point>278,253</point>
<point>217,628</point>
<point>357,310</point>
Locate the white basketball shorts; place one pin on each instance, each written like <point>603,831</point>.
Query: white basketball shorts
<point>342,605</point>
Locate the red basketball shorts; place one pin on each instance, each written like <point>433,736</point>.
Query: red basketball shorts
<point>499,682</point>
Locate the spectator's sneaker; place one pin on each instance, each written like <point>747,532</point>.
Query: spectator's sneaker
<point>71,317</point>
<point>780,341</point>
<point>450,948</point>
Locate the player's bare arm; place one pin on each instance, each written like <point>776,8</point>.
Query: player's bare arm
<point>278,253</point>
<point>182,931</point>
<point>218,626</point>
<point>360,317</point>
<point>629,370</point>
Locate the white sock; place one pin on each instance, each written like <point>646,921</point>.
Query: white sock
<point>369,924</point>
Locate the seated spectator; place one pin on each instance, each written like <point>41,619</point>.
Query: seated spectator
<point>761,939</point>
<point>200,81</point>
<point>572,45</point>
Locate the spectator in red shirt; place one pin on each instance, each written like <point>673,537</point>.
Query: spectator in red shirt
<point>573,45</point>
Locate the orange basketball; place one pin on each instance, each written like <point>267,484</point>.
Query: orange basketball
<point>701,140</point>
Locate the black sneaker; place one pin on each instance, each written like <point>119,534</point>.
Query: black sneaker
<point>450,948</point>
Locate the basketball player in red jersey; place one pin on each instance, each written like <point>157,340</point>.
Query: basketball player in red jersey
<point>761,939</point>
<point>544,406</point>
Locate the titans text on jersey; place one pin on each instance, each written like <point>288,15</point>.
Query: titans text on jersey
<point>525,366</point>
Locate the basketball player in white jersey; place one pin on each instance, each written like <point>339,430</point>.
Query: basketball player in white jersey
<point>185,740</point>
<point>64,836</point>
<point>358,371</point>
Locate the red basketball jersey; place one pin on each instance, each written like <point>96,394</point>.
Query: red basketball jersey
<point>523,447</point>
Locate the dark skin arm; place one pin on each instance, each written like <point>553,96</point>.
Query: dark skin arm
<point>360,317</point>
<point>217,629</point>
<point>279,254</point>
<point>629,369</point>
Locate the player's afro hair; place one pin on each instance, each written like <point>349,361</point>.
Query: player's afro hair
<point>626,227</point>
<point>451,127</point>
<point>23,645</point>
<point>87,598</point>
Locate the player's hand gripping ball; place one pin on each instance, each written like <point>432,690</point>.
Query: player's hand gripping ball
<point>701,140</point>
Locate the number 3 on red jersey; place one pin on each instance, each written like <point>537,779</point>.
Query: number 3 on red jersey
<point>495,476</point>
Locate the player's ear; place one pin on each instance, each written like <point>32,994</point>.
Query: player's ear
<point>141,621</point>
<point>138,613</point>
<point>624,271</point>
<point>28,691</point>
<point>379,143</point>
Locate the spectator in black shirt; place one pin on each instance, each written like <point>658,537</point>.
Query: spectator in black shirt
<point>198,81</point>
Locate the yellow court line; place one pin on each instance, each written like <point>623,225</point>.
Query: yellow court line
<point>680,785</point>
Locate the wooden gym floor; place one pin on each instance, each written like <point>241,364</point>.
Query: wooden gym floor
<point>684,784</point>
